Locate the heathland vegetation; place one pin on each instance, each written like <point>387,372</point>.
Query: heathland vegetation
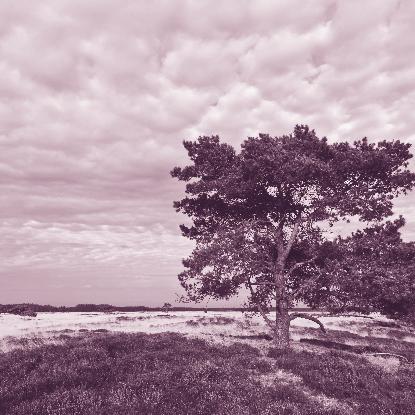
<point>128,374</point>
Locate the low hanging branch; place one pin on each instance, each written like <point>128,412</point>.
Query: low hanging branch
<point>307,317</point>
<point>260,308</point>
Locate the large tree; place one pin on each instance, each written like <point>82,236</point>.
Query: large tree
<point>258,215</point>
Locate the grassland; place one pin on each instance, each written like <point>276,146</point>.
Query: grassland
<point>99,372</point>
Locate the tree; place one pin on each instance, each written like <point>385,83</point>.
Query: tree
<point>258,215</point>
<point>166,307</point>
<point>373,269</point>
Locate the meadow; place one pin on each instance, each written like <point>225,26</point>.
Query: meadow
<point>197,363</point>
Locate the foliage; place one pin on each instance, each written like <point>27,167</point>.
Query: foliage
<point>166,307</point>
<point>126,374</point>
<point>258,216</point>
<point>372,269</point>
<point>152,374</point>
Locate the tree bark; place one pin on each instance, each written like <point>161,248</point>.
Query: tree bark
<point>282,318</point>
<point>281,325</point>
<point>282,328</point>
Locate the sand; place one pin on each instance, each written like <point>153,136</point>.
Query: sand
<point>223,327</point>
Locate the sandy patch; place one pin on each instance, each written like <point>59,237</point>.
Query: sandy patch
<point>220,327</point>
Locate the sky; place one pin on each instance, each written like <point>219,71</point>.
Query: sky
<point>97,96</point>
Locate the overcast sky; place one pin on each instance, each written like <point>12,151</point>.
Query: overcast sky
<point>96,97</point>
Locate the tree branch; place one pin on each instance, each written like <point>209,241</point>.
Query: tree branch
<point>299,264</point>
<point>307,317</point>
<point>306,285</point>
<point>280,240</point>
<point>260,308</point>
<point>263,283</point>
<point>291,241</point>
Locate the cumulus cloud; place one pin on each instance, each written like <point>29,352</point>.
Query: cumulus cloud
<point>96,97</point>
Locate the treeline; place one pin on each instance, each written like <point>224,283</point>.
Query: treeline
<point>38,308</point>
<point>29,309</point>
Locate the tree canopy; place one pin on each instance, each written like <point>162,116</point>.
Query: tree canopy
<point>259,215</point>
<point>373,269</point>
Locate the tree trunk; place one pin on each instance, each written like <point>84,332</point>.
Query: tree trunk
<point>282,328</point>
<point>282,318</point>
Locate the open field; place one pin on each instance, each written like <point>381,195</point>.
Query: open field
<point>197,363</point>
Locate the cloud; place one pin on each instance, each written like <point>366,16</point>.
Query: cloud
<point>97,97</point>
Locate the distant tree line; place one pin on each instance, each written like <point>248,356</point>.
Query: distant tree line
<point>38,308</point>
<point>30,308</point>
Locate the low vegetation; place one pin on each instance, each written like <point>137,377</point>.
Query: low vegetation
<point>353,380</point>
<point>102,373</point>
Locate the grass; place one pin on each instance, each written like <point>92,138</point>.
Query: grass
<point>342,346</point>
<point>353,380</point>
<point>143,374</point>
<point>360,344</point>
<point>125,374</point>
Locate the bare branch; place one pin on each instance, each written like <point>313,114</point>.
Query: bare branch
<point>307,317</point>
<point>299,264</point>
<point>291,241</point>
<point>260,309</point>
<point>280,240</point>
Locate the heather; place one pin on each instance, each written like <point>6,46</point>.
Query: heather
<point>102,373</point>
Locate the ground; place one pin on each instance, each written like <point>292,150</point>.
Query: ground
<point>202,363</point>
